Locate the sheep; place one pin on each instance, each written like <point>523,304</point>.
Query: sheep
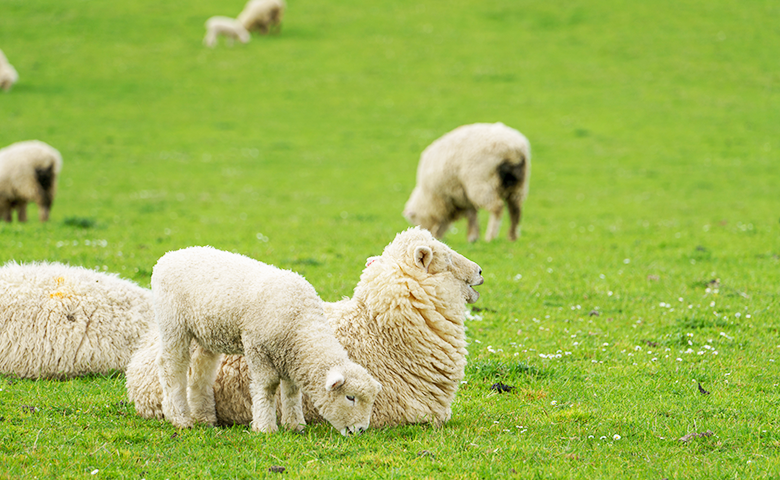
<point>8,75</point>
<point>472,167</point>
<point>404,323</point>
<point>232,304</point>
<point>59,321</point>
<point>263,16</point>
<point>227,27</point>
<point>28,173</point>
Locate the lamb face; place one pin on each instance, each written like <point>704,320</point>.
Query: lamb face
<point>349,397</point>
<point>439,259</point>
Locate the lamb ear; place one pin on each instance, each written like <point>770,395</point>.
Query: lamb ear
<point>335,379</point>
<point>423,256</point>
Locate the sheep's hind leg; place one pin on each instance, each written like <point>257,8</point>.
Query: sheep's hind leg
<point>292,406</point>
<point>200,388</point>
<point>21,211</point>
<point>473,233</point>
<point>494,223</point>
<point>172,363</point>
<point>263,382</point>
<point>515,208</point>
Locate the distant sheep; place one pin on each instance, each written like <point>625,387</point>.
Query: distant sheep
<point>472,167</point>
<point>58,321</point>
<point>28,173</point>
<point>229,28</point>
<point>8,75</point>
<point>263,16</point>
<point>404,324</point>
<point>229,303</point>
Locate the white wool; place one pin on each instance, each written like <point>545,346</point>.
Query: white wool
<point>263,16</point>
<point>231,304</point>
<point>474,166</point>
<point>8,75</point>
<point>229,28</point>
<point>58,321</point>
<point>28,173</point>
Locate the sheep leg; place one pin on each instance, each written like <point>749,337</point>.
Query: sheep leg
<point>263,382</point>
<point>494,223</point>
<point>172,363</point>
<point>21,211</point>
<point>515,208</point>
<point>202,373</point>
<point>292,406</point>
<point>473,234</point>
<point>5,211</point>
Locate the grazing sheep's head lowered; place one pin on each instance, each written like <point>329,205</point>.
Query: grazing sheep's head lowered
<point>349,397</point>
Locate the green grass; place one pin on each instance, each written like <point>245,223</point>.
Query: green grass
<point>654,129</point>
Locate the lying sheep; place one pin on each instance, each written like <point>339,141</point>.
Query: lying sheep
<point>8,75</point>
<point>28,173</point>
<point>472,167</point>
<point>59,321</point>
<point>404,324</point>
<point>263,16</point>
<point>226,27</point>
<point>229,303</point>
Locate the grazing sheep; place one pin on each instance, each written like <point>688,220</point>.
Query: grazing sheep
<point>229,303</point>
<point>58,321</point>
<point>227,27</point>
<point>263,16</point>
<point>28,173</point>
<point>472,167</point>
<point>404,324</point>
<point>8,75</point>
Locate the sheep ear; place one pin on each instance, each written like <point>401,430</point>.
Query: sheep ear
<point>335,379</point>
<point>423,256</point>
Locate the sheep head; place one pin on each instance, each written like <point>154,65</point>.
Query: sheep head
<point>348,398</point>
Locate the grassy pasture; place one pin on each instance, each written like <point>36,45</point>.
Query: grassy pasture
<point>649,262</point>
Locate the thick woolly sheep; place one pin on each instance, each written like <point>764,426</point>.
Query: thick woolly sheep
<point>58,321</point>
<point>474,166</point>
<point>28,173</point>
<point>404,323</point>
<point>8,75</point>
<point>229,303</point>
<point>263,16</point>
<point>227,27</point>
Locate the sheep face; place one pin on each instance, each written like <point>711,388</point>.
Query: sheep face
<point>422,209</point>
<point>349,397</point>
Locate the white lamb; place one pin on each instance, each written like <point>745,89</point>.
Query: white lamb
<point>58,321</point>
<point>229,303</point>
<point>28,173</point>
<point>8,75</point>
<point>227,27</point>
<point>404,324</point>
<point>263,16</point>
<point>474,166</point>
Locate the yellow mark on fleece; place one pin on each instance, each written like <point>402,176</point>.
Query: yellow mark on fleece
<point>60,282</point>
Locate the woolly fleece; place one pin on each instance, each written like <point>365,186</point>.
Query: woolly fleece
<point>263,16</point>
<point>8,75</point>
<point>227,27</point>
<point>28,173</point>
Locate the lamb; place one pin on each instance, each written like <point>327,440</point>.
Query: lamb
<point>404,323</point>
<point>229,303</point>
<point>227,27</point>
<point>28,173</point>
<point>472,167</point>
<point>59,321</point>
<point>8,75</point>
<point>263,16</point>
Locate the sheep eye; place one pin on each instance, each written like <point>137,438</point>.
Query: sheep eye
<point>350,398</point>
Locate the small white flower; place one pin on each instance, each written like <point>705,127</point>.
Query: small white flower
<point>553,402</point>
<point>95,472</point>
<point>679,359</point>
<point>616,437</point>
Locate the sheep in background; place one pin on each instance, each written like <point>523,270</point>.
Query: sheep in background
<point>8,75</point>
<point>226,27</point>
<point>474,166</point>
<point>263,16</point>
<point>28,173</point>
<point>229,303</point>
<point>59,321</point>
<point>404,323</point>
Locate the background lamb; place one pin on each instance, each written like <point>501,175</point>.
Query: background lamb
<point>404,324</point>
<point>229,303</point>
<point>474,166</point>
<point>60,321</point>
<point>28,173</point>
<point>226,27</point>
<point>8,75</point>
<point>263,15</point>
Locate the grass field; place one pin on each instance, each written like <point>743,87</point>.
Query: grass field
<point>649,263</point>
